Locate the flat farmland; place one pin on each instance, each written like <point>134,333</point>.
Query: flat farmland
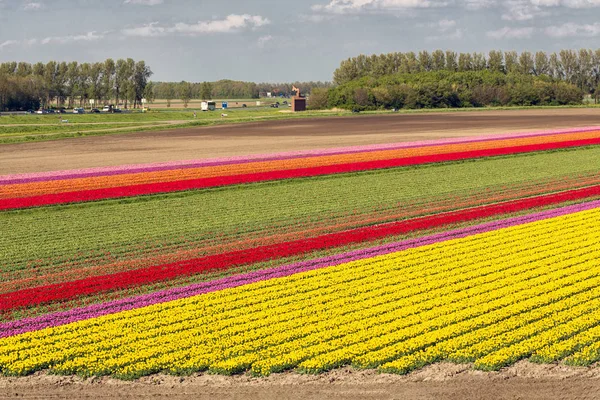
<point>277,136</point>
<point>418,256</point>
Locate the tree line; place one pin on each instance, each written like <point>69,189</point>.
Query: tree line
<point>227,89</point>
<point>30,86</point>
<point>449,79</point>
<point>445,89</point>
<point>580,68</point>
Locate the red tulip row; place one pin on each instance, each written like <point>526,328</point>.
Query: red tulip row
<point>133,278</point>
<point>181,185</point>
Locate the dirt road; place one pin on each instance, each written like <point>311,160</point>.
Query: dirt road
<point>443,381</point>
<point>276,136</point>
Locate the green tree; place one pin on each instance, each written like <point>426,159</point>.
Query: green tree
<point>108,79</point>
<point>149,93</point>
<point>169,93</point>
<point>185,92</point>
<point>317,99</point>
<point>206,91</point>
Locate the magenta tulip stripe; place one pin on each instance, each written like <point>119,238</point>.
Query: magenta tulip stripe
<point>65,317</point>
<point>186,164</point>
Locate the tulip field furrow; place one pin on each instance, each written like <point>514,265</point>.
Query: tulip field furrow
<point>246,296</point>
<point>64,317</point>
<point>390,341</point>
<point>250,297</point>
<point>54,273</point>
<point>559,350</point>
<point>494,335</point>
<point>478,250</point>
<point>375,311</point>
<point>332,306</point>
<point>106,227</point>
<point>139,277</point>
<point>59,186</point>
<point>226,180</point>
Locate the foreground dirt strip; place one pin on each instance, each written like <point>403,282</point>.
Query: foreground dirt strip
<point>447,381</point>
<point>65,317</point>
<point>165,166</point>
<point>166,187</point>
<point>133,278</point>
<point>102,182</point>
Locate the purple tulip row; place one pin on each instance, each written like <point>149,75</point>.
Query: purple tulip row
<point>64,317</point>
<point>165,166</point>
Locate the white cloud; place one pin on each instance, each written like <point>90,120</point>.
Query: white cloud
<point>574,30</point>
<point>232,23</point>
<point>148,30</point>
<point>144,2</point>
<point>88,37</point>
<point>32,6</point>
<point>511,33</point>
<point>357,6</point>
<point>8,43</point>
<point>520,10</point>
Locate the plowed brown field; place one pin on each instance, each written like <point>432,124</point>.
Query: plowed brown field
<point>277,136</point>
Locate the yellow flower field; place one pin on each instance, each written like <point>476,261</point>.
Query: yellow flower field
<point>531,290</point>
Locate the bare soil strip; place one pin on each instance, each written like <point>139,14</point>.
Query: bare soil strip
<point>442,381</point>
<point>277,136</point>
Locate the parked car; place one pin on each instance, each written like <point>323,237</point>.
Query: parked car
<point>30,112</point>
<point>94,111</point>
<point>41,111</point>
<point>78,111</point>
<point>50,111</point>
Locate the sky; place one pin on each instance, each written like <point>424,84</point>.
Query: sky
<point>282,40</point>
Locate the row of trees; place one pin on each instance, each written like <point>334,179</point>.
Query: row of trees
<point>24,85</point>
<point>580,68</point>
<point>445,89</point>
<point>226,89</point>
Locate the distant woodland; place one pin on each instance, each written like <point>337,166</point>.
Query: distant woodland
<point>228,89</point>
<point>29,86</point>
<point>440,79</point>
<point>443,79</point>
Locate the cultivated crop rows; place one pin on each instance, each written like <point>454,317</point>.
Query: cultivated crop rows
<point>372,312</point>
<point>393,257</point>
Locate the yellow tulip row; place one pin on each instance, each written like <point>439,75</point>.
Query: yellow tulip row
<point>479,342</point>
<point>388,343</point>
<point>587,344</point>
<point>244,296</point>
<point>503,288</point>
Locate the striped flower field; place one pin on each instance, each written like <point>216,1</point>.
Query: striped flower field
<point>480,250</point>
